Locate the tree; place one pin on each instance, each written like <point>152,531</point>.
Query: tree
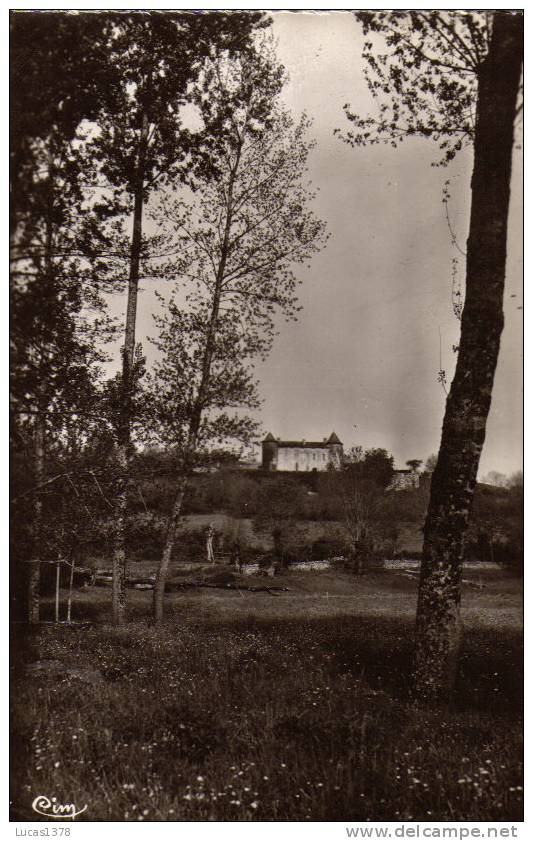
<point>60,75</point>
<point>414,464</point>
<point>360,490</point>
<point>239,235</point>
<point>454,77</point>
<point>496,525</point>
<point>516,481</point>
<point>499,480</point>
<point>57,318</point>
<point>279,503</point>
<point>141,147</point>
<point>377,465</point>
<point>55,303</point>
<point>431,463</point>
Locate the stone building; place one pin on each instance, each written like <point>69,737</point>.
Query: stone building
<point>403,480</point>
<point>301,456</point>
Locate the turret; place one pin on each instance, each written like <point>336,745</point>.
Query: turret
<point>336,451</point>
<point>270,453</point>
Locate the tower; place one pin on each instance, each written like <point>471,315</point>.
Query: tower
<point>270,453</point>
<point>335,449</point>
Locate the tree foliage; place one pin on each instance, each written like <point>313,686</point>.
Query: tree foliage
<point>235,240</point>
<point>421,68</point>
<point>237,237</point>
<point>60,76</point>
<point>361,502</point>
<point>279,503</point>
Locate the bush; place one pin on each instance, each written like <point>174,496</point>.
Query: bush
<point>190,545</point>
<point>329,547</point>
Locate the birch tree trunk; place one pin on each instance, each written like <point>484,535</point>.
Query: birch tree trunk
<point>468,403</point>
<point>170,539</point>
<point>128,356</point>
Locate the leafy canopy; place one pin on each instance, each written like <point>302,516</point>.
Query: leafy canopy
<point>422,69</point>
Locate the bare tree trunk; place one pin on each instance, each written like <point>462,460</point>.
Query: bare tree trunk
<point>34,567</point>
<point>58,577</point>
<point>467,406</point>
<point>128,357</point>
<point>162,572</point>
<point>34,572</point>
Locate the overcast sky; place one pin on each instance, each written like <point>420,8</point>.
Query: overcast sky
<point>377,316</point>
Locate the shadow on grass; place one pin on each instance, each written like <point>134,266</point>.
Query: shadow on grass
<point>375,649</point>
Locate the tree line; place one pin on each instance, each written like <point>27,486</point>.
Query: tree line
<point>145,147</point>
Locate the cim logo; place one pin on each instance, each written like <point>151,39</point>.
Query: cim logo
<point>50,808</point>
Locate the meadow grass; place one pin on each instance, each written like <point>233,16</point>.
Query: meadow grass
<point>218,715</point>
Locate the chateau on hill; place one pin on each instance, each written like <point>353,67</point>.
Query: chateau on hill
<point>301,455</point>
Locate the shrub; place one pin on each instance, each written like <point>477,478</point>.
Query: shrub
<point>329,547</point>
<point>191,545</point>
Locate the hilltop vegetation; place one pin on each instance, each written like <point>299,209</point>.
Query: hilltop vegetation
<point>304,512</point>
<point>495,534</point>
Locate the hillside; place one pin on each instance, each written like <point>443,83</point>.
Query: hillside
<point>233,501</point>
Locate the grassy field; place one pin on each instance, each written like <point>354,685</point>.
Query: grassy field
<point>250,706</point>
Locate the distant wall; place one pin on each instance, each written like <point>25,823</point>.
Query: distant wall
<point>310,566</point>
<point>403,480</point>
<point>405,563</point>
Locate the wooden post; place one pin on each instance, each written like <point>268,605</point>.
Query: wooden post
<point>58,567</point>
<point>69,603</point>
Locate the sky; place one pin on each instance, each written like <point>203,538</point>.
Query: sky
<point>377,321</point>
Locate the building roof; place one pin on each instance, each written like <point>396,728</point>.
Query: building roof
<point>306,444</point>
<point>333,439</point>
